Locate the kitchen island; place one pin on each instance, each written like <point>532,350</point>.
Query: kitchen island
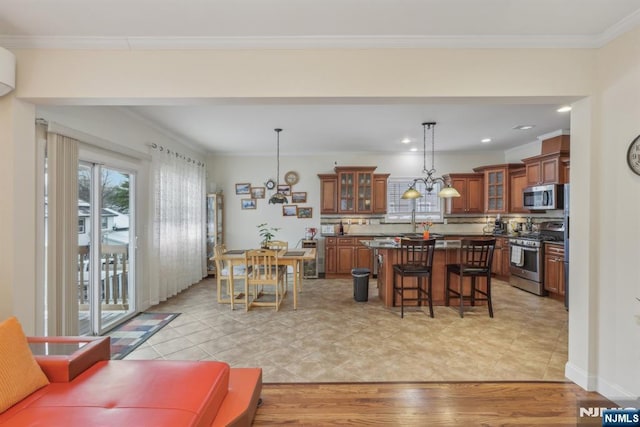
<point>388,251</point>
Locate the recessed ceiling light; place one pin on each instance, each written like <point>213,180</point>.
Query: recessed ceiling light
<point>485,140</point>
<point>405,140</point>
<point>524,127</point>
<point>564,109</point>
<point>414,149</point>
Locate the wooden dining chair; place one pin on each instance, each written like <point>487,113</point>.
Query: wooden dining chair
<point>476,256</point>
<point>263,272</point>
<point>224,278</point>
<point>279,245</point>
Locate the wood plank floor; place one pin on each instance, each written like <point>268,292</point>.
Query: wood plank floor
<point>425,404</point>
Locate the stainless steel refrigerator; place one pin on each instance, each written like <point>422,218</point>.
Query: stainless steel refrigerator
<point>567,232</point>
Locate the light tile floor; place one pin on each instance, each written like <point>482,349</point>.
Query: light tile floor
<point>333,338</point>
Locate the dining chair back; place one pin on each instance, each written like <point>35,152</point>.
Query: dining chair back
<point>223,277</point>
<point>263,272</point>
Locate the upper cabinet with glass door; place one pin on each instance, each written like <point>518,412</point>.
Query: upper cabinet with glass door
<point>353,190</point>
<point>496,186</point>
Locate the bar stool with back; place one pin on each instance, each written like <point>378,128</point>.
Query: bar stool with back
<point>476,256</point>
<point>416,260</point>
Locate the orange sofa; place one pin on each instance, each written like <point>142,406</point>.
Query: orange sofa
<point>88,389</point>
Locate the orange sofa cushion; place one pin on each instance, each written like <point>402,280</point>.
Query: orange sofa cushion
<point>20,374</point>
<point>130,392</point>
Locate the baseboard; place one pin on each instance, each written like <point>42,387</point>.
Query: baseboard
<point>580,377</point>
<point>613,392</point>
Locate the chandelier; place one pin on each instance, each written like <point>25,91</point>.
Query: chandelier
<point>278,197</point>
<point>430,180</point>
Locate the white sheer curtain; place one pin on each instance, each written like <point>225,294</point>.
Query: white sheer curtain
<point>177,253</point>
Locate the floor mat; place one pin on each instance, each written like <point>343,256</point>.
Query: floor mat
<point>128,336</point>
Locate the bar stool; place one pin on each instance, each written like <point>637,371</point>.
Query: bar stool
<point>416,260</point>
<point>476,256</point>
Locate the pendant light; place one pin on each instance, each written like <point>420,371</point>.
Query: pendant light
<point>278,197</point>
<point>448,191</point>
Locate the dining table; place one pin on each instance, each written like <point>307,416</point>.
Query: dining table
<point>287,257</point>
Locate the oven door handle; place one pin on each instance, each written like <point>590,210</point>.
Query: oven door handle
<point>526,248</point>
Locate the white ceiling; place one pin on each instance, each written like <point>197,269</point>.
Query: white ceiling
<point>329,125</point>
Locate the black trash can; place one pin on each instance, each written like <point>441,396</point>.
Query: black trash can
<point>360,284</point>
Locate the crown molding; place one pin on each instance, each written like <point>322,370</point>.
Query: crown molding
<point>626,24</point>
<point>311,42</point>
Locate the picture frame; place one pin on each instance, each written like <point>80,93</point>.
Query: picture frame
<point>284,189</point>
<point>248,203</point>
<point>243,188</point>
<point>299,197</point>
<point>289,210</point>
<point>258,192</point>
<point>305,212</point>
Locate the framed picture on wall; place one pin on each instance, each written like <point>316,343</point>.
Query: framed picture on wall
<point>257,192</point>
<point>289,210</point>
<point>248,203</point>
<point>299,197</point>
<point>243,188</point>
<point>305,212</point>
<point>284,189</point>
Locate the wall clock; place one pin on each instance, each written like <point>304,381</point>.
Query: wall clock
<point>291,177</point>
<point>633,155</point>
<point>270,184</point>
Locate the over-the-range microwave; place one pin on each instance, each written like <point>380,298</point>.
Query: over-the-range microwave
<point>549,196</point>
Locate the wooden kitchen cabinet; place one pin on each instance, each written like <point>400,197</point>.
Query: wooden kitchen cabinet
<point>501,266</point>
<point>517,184</point>
<point>471,189</point>
<point>328,193</point>
<point>546,169</point>
<point>554,268</point>
<point>330,256</point>
<point>380,193</point>
<point>497,183</point>
<point>353,190</point>
<point>342,254</point>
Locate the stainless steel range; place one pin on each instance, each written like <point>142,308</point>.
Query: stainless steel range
<point>527,257</point>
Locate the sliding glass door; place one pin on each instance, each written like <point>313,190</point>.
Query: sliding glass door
<point>106,247</point>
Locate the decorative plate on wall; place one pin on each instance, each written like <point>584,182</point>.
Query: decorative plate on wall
<point>291,177</point>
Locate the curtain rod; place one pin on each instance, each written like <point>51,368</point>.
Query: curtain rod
<point>161,148</point>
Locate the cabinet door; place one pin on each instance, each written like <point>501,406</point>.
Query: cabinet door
<point>549,168</point>
<point>534,173</point>
<point>496,264</point>
<point>518,182</point>
<point>345,259</point>
<point>329,194</point>
<point>347,192</point>
<point>330,259</point>
<point>364,192</point>
<point>495,195</point>
<point>459,204</point>
<point>363,258</point>
<point>475,194</point>
<point>506,262</point>
<point>380,194</point>
<point>551,269</point>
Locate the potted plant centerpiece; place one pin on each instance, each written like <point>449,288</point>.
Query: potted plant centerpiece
<point>266,233</point>
<point>425,229</point>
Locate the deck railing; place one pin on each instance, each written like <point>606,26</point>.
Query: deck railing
<point>114,285</point>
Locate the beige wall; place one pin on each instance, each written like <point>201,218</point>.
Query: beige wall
<point>603,127</point>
